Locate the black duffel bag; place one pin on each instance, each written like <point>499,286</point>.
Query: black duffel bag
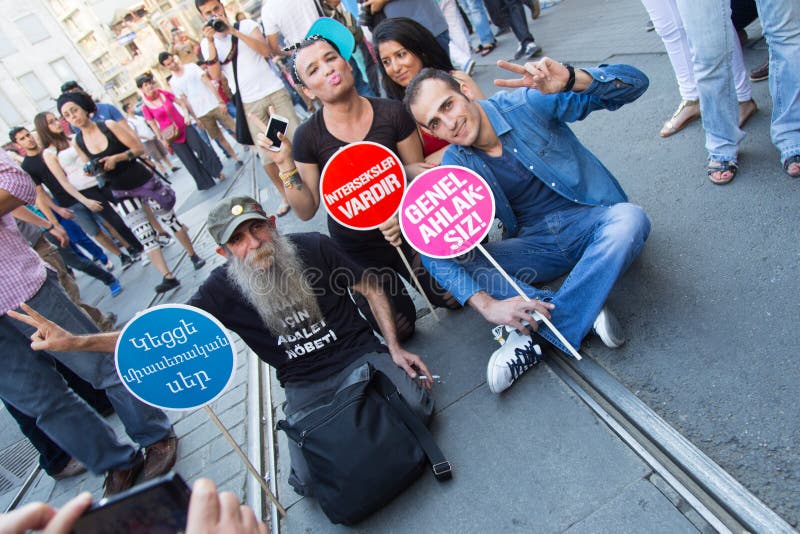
<point>364,447</point>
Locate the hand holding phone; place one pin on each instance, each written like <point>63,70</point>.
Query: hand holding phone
<point>276,124</point>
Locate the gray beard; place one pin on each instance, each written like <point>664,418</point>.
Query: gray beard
<point>272,279</point>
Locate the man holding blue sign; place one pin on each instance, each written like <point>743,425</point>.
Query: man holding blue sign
<point>563,212</point>
<point>288,298</point>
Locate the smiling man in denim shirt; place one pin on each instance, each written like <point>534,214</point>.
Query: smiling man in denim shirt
<point>562,211</point>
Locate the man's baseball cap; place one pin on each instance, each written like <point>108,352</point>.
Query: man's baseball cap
<point>69,86</point>
<point>229,213</point>
<point>337,33</point>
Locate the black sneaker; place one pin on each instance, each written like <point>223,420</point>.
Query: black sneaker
<point>126,260</point>
<point>520,51</point>
<point>198,262</point>
<point>135,254</point>
<point>167,284</point>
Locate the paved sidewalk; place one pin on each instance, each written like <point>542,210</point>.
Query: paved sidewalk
<point>535,459</point>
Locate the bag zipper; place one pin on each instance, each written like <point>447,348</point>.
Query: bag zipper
<point>330,416</point>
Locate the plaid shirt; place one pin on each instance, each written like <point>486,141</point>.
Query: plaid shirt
<point>22,272</point>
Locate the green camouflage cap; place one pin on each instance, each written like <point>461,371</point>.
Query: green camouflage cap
<point>229,213</point>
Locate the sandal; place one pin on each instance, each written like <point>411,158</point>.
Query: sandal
<point>283,209</point>
<point>721,167</point>
<point>486,49</point>
<point>688,110</point>
<point>746,110</point>
<point>792,166</point>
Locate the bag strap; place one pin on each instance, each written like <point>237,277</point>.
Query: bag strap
<point>235,58</point>
<point>442,469</point>
<point>152,167</point>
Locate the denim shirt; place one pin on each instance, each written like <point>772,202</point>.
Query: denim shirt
<point>534,127</point>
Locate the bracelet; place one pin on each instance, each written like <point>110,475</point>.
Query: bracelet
<point>291,179</point>
<point>48,229</point>
<point>130,154</point>
<point>571,80</point>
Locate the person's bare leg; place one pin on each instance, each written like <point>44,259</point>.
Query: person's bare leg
<point>272,172</point>
<point>116,234</point>
<point>183,237</point>
<point>157,258</point>
<point>153,220</point>
<point>107,243</point>
<point>226,146</point>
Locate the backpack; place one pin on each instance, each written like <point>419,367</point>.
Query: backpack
<point>364,447</point>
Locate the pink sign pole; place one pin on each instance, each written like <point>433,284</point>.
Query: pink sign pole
<point>446,212</point>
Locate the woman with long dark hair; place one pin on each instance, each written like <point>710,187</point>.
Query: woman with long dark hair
<point>90,206</point>
<point>404,48</point>
<point>113,149</point>
<point>197,156</point>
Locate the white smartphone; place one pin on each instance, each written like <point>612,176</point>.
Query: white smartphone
<point>276,124</point>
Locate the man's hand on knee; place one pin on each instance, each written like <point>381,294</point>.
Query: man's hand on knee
<point>511,312</point>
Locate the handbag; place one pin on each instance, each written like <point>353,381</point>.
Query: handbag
<point>364,447</point>
<point>153,189</point>
<point>243,136</point>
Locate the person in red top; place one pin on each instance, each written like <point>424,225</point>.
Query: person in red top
<point>404,48</point>
<point>164,118</point>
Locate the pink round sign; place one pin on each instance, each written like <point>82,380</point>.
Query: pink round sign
<point>446,211</point>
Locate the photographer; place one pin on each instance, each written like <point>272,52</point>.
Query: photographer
<point>132,183</point>
<point>256,85</point>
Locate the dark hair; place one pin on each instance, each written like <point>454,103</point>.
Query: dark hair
<point>79,98</point>
<point>70,85</point>
<point>48,138</point>
<point>415,38</point>
<point>305,43</point>
<point>199,3</point>
<point>163,56</point>
<point>143,79</point>
<point>12,133</point>
<point>126,107</point>
<point>428,74</point>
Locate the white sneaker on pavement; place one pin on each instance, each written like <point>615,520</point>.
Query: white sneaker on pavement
<point>608,329</point>
<point>517,354</point>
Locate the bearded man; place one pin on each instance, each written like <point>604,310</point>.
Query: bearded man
<point>288,298</point>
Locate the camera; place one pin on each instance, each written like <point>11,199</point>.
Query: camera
<point>94,167</point>
<point>219,25</point>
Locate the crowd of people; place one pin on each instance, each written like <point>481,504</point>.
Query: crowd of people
<point>563,213</point>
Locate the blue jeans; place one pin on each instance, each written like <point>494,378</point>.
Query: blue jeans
<point>781,22</point>
<point>77,237</point>
<point>708,27</point>
<point>479,19</point>
<point>595,245</point>
<point>31,383</point>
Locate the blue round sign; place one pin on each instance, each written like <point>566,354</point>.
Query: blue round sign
<point>175,357</point>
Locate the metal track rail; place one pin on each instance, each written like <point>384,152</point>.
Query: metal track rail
<point>715,495</point>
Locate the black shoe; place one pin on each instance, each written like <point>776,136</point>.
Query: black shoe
<point>135,253</point>
<point>167,284</point>
<point>649,26</point>
<point>126,260</point>
<point>532,49</point>
<point>520,51</point>
<point>176,168</point>
<point>198,262</point>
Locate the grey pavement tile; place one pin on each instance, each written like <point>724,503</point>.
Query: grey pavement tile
<point>555,471</point>
<point>641,508</point>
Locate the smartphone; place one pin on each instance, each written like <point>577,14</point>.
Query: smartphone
<point>159,505</point>
<point>276,124</point>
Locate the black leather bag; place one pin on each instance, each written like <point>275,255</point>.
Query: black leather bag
<point>364,447</point>
<point>243,136</point>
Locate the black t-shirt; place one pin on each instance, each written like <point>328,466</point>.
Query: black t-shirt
<point>37,168</point>
<point>313,143</point>
<point>313,351</point>
<point>126,175</point>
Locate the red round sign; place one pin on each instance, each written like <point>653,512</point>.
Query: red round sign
<point>362,185</point>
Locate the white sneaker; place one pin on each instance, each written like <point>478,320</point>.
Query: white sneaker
<point>517,354</point>
<point>608,329</point>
